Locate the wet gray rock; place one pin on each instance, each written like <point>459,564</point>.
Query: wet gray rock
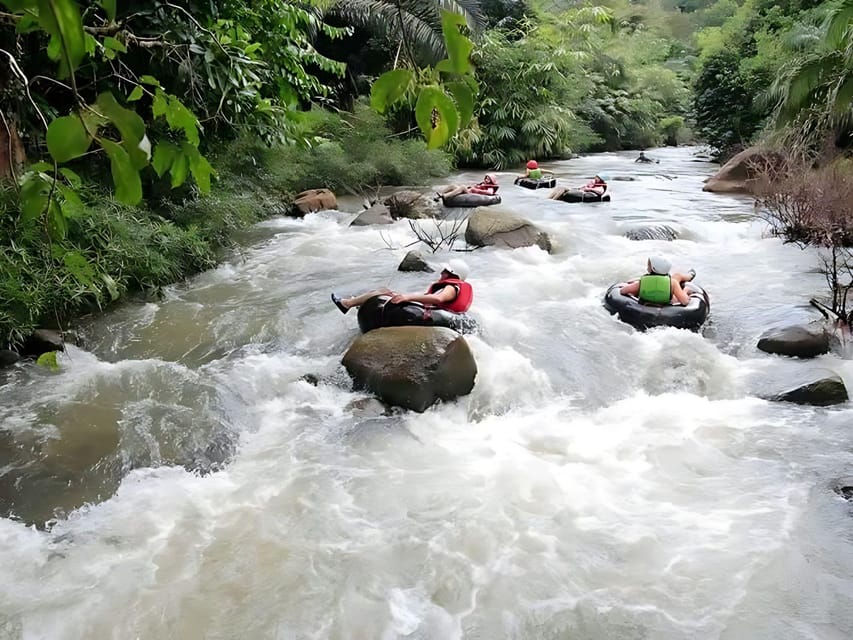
<point>41,341</point>
<point>499,227</point>
<point>413,205</point>
<point>414,261</point>
<point>377,214</point>
<point>652,232</point>
<point>623,178</point>
<point>367,407</point>
<point>412,367</point>
<point>844,487</point>
<point>311,378</point>
<point>822,393</point>
<point>800,341</point>
<point>8,357</point>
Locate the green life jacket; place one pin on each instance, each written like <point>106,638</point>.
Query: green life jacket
<point>655,289</point>
<point>534,174</point>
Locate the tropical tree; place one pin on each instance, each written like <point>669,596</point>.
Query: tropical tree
<point>818,82</point>
<point>413,26</point>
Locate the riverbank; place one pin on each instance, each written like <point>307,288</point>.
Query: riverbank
<point>112,251</point>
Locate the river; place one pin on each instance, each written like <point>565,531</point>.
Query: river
<point>598,483</point>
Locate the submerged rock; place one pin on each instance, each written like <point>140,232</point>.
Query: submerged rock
<point>414,261</point>
<point>377,214</point>
<point>652,232</point>
<point>844,487</point>
<point>500,227</point>
<point>314,200</point>
<point>800,341</point>
<point>412,367</point>
<point>821,393</point>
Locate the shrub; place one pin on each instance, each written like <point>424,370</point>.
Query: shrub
<point>813,207</point>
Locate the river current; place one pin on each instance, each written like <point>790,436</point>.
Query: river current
<point>179,478</point>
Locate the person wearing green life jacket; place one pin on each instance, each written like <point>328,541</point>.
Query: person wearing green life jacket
<point>659,286</point>
<point>534,172</point>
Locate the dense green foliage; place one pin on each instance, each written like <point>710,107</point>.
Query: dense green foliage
<point>143,248</point>
<point>765,64</point>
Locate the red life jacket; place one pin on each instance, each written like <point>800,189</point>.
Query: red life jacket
<point>596,186</point>
<point>464,295</point>
<point>484,188</point>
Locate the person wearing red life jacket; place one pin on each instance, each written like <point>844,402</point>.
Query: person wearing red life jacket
<point>488,187</point>
<point>450,292</point>
<point>597,185</point>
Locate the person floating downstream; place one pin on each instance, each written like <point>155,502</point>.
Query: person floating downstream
<point>488,187</point>
<point>659,286</point>
<point>598,185</point>
<point>533,171</point>
<point>450,292</point>
<point>644,158</point>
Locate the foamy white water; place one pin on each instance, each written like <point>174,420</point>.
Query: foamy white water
<point>598,482</point>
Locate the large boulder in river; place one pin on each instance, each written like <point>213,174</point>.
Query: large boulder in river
<point>413,205</point>
<point>414,261</point>
<point>43,341</point>
<point>500,227</point>
<point>822,393</point>
<point>377,214</point>
<point>314,200</point>
<point>796,340</point>
<point>7,357</point>
<point>412,367</point>
<point>741,174</point>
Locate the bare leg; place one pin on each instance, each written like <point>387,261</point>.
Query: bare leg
<point>557,193</point>
<point>357,301</point>
<point>455,190</point>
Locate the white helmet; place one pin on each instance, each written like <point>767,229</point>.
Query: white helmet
<point>660,265</point>
<point>456,267</point>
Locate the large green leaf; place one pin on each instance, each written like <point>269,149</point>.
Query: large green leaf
<point>61,19</point>
<point>459,47</point>
<point>164,155</point>
<point>464,98</point>
<point>199,167</point>
<point>129,124</point>
<point>114,45</point>
<point>180,169</point>
<point>57,226</point>
<point>67,138</point>
<point>125,176</point>
<point>34,195</point>
<point>437,116</point>
<point>390,87</point>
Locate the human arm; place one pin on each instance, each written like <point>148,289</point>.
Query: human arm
<point>679,293</point>
<point>445,295</point>
<point>631,288</point>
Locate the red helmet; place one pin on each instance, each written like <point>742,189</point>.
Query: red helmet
<point>532,164</point>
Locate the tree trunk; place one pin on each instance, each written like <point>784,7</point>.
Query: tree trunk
<point>12,156</point>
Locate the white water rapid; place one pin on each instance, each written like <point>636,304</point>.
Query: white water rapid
<point>598,483</point>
